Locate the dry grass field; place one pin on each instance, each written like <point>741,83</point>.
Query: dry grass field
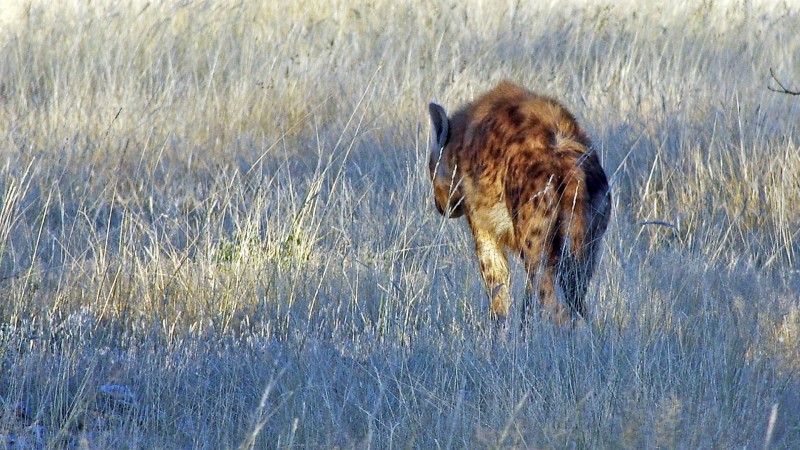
<point>217,228</point>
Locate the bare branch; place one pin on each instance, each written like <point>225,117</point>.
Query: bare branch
<point>658,222</point>
<point>783,89</point>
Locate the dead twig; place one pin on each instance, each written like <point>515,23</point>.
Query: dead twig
<point>658,222</point>
<point>783,89</point>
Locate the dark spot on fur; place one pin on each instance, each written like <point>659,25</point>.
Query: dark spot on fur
<point>514,116</point>
<point>536,171</point>
<point>551,138</point>
<point>518,138</point>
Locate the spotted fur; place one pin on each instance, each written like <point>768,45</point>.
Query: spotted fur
<point>524,174</point>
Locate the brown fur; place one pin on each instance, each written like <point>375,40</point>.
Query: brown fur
<point>523,172</point>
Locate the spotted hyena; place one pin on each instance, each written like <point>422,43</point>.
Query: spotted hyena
<point>524,173</point>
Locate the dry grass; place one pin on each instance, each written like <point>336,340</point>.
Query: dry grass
<point>216,227</point>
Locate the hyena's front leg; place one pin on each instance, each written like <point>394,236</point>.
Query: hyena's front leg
<point>494,268</point>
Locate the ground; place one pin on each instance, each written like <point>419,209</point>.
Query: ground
<point>217,228</point>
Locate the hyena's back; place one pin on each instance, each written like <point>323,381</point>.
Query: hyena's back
<point>529,182</point>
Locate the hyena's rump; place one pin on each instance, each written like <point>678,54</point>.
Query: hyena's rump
<point>524,174</point>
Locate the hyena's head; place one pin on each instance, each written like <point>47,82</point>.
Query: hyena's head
<point>447,190</point>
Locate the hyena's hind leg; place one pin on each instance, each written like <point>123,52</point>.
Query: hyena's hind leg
<point>541,283</point>
<point>536,232</point>
<point>577,265</point>
<point>494,268</point>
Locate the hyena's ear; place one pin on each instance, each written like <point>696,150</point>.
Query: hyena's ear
<point>441,124</point>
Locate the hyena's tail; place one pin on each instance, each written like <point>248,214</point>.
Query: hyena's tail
<point>585,211</point>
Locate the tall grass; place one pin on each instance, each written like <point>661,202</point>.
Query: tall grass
<point>216,227</point>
